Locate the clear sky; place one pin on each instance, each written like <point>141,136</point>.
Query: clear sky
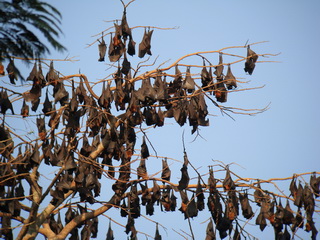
<point>277,143</point>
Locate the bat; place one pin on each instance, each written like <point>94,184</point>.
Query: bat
<point>12,72</point>
<point>211,181</point>
<point>110,233</point>
<point>19,192</point>
<point>228,183</point>
<point>145,45</point>
<point>131,47</point>
<point>24,109</point>
<point>35,156</point>
<point>81,92</point>
<point>188,82</point>
<point>144,149</point>
<point>220,90</point>
<point>34,73</point>
<point>245,205</point>
<point>41,128</point>
<point>288,217</point>
<point>251,60</point>
<point>173,202</point>
<point>2,69</point>
<point>125,29</point>
<point>142,170</point>
<point>315,184</point>
<point>192,210</point>
<point>230,79</point>
<point>5,103</point>
<point>102,49</point>
<point>219,69</point>
<point>157,234</point>
<point>126,66</point>
<point>184,181</point>
<point>166,172</point>
<point>210,233</point>
<point>52,76</point>
<point>60,94</point>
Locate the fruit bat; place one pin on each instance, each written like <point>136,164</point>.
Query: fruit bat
<point>24,109</point>
<point>245,205</point>
<point>35,156</point>
<point>70,214</point>
<point>126,66</point>
<point>157,234</point>
<point>173,202</point>
<point>165,198</point>
<point>228,183</point>
<point>184,181</point>
<point>211,181</point>
<point>110,233</point>
<point>1,69</point>
<point>33,75</point>
<point>288,217</point>
<point>131,47</point>
<point>220,90</point>
<point>259,195</point>
<point>142,170</point>
<point>146,93</point>
<point>102,49</point>
<point>210,233</point>
<point>223,225</point>
<point>144,149</point>
<point>40,76</point>
<point>161,90</point>
<point>251,60</point>
<point>206,77</point>
<point>261,221</point>
<point>156,194</point>
<point>192,210</point>
<point>184,203</point>
<point>12,72</point>
<point>52,76</point>
<point>116,46</point>
<point>41,128</point>
<point>166,172</point>
<point>200,196</point>
<point>315,184</point>
<point>81,91</point>
<point>106,97</point>
<point>86,231</point>
<point>19,192</point>
<point>231,211</point>
<point>219,69</point>
<point>125,29</point>
<point>188,82</point>
<point>230,80</point>
<point>5,103</point>
<point>60,94</point>
<point>176,84</point>
<point>145,45</point>
<point>299,196</point>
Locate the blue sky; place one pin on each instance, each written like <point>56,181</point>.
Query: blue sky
<point>277,143</point>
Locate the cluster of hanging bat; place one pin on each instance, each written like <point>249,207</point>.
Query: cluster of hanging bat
<point>117,136</point>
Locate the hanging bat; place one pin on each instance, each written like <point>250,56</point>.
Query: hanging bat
<point>125,29</point>
<point>220,90</point>
<point>184,181</point>
<point>192,210</point>
<point>157,234</point>
<point>166,172</point>
<point>230,79</point>
<point>228,183</point>
<point>35,156</point>
<point>41,128</point>
<point>251,60</point>
<point>131,47</point>
<point>34,73</point>
<point>245,205</point>
<point>188,83</point>
<point>2,69</point>
<point>315,184</point>
<point>102,49</point>
<point>144,149</point>
<point>5,103</point>
<point>12,72</point>
<point>126,66</point>
<point>210,233</point>
<point>110,233</point>
<point>145,45</point>
<point>219,69</point>
<point>52,76</point>
<point>24,109</point>
<point>142,170</point>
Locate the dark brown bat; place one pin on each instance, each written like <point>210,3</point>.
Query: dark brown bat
<point>35,156</point>
<point>19,192</point>
<point>142,170</point>
<point>12,72</point>
<point>24,109</point>
<point>2,69</point>
<point>219,69</point>
<point>251,60</point>
<point>125,29</point>
<point>60,94</point>
<point>188,82</point>
<point>144,149</point>
<point>110,233</point>
<point>106,97</point>
<point>33,75</point>
<point>145,45</point>
<point>210,233</point>
<point>131,47</point>
<point>184,181</point>
<point>126,66</point>
<point>288,217</point>
<point>200,196</point>
<point>52,76</point>
<point>230,79</point>
<point>228,183</point>
<point>259,195</point>
<point>5,103</point>
<point>157,234</point>
<point>102,49</point>
<point>245,205</point>
<point>41,128</point>
<point>315,184</point>
<point>166,172</point>
<point>220,90</point>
